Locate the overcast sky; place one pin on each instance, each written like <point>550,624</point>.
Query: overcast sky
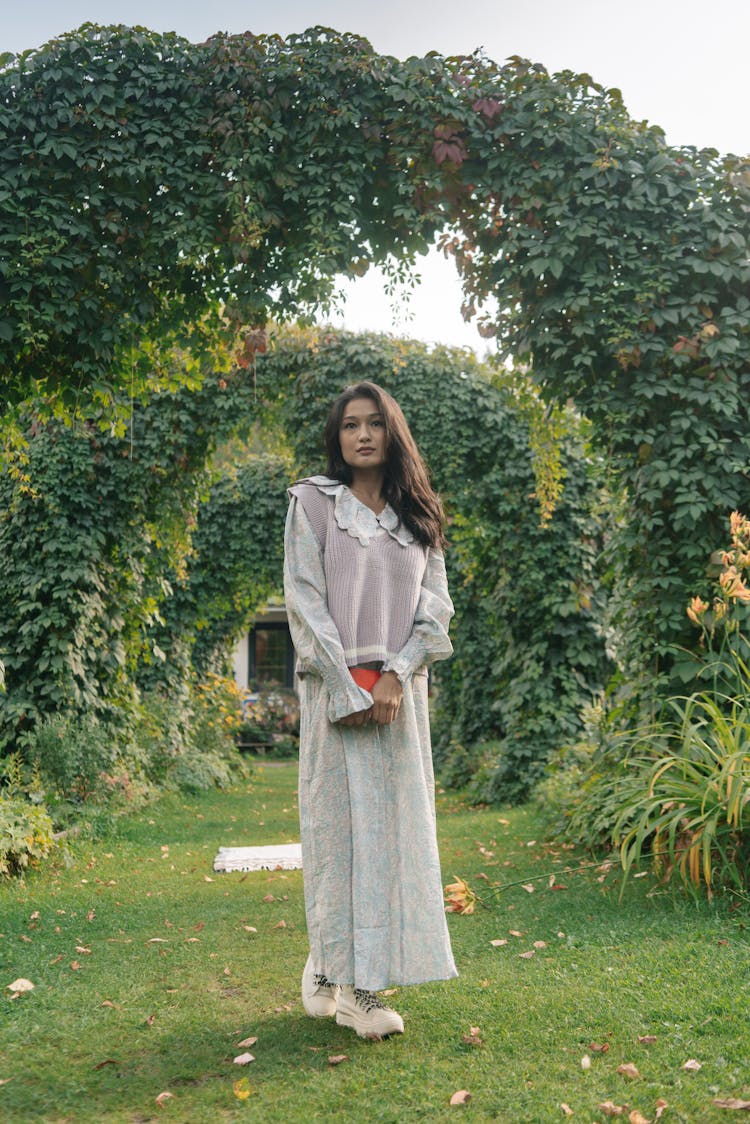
<point>681,64</point>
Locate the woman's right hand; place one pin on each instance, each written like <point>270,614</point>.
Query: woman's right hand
<point>359,718</point>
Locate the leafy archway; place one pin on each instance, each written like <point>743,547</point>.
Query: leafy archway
<point>161,197</point>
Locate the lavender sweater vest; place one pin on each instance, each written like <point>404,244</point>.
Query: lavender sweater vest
<point>373,567</point>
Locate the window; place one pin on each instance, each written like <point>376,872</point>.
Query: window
<point>271,656</point>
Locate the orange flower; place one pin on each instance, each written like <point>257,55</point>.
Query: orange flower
<point>460,897</point>
<point>696,609</point>
<point>733,585</point>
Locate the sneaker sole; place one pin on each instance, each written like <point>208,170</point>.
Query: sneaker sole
<point>366,1032</point>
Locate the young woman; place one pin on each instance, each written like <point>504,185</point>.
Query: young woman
<point>369,609</point>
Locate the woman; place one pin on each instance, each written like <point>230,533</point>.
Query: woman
<point>366,596</point>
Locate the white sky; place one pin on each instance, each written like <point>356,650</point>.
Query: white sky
<point>681,64</point>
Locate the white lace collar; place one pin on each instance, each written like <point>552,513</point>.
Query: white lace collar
<point>356,518</point>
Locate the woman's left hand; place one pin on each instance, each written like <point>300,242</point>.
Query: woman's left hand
<point>386,697</point>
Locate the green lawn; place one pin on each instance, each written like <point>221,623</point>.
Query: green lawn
<point>149,970</point>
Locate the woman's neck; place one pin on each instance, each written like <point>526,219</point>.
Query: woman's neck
<point>367,486</point>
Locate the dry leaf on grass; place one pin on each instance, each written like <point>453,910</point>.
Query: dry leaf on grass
<point>109,1003</point>
<point>462,1096</point>
<point>585,1062</point>
<point>526,955</point>
<point>528,887</point>
<point>515,932</point>
<point>74,965</point>
<point>472,1038</point>
<point>540,944</point>
<point>249,928</point>
<point>337,1059</point>
<point>599,1047</point>
<point>732,1103</point>
<point>244,1059</point>
<point>609,1108</point>
<point>269,898</point>
<point>692,1065</point>
<point>248,1041</point>
<point>157,940</point>
<point>566,1109</point>
<point>5,1080</point>
<point>150,1020</point>
<point>164,1097</point>
<point>21,985</point>
<point>390,991</point>
<point>107,1061</point>
<point>241,1089</point>
<point>661,1104</point>
<point>637,1117</point>
<point>627,1069</point>
<point>279,925</point>
<point>647,1039</point>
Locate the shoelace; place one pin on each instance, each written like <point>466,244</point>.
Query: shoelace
<point>368,1000</point>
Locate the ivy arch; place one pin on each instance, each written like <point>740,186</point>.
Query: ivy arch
<point>160,198</point>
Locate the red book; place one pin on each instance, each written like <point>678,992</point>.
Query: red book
<point>365,677</point>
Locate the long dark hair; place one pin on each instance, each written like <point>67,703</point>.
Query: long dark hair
<point>406,485</point>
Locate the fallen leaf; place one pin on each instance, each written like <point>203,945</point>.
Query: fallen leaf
<point>24,938</point>
<point>150,1020</point>
<point>611,1109</point>
<point>241,1089</point>
<point>390,991</point>
<point>627,1069</point>
<point>35,915</point>
<point>82,948</point>
<point>661,1104</point>
<point>74,965</point>
<point>279,925</point>
<point>723,1102</point>
<point>528,887</point>
<point>637,1117</point>
<point>498,943</point>
<point>269,898</point>
<point>207,879</point>
<point>599,1047</point>
<point>585,1062</point>
<point>227,972</point>
<point>692,1065</point>
<point>526,955</point>
<point>337,1059</point>
<point>5,1080</point>
<point>20,985</point>
<point>540,944</point>
<point>248,1041</point>
<point>109,1003</point>
<point>472,1038</point>
<point>647,1039</point>
<point>157,940</point>
<point>250,929</point>
<point>91,915</point>
<point>164,1097</point>
<point>244,1059</point>
<point>515,933</point>
<point>57,959</point>
<point>107,1061</point>
<point>463,1096</point>
<point>566,1109</point>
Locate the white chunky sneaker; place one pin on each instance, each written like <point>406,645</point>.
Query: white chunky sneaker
<point>318,995</point>
<point>365,1013</point>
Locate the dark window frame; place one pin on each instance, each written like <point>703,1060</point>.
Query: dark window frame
<point>270,626</point>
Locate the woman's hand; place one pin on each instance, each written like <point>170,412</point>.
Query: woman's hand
<point>359,718</point>
<point>386,696</point>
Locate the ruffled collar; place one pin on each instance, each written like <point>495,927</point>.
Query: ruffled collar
<point>356,518</point>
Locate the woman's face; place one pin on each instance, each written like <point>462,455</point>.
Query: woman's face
<point>362,434</point>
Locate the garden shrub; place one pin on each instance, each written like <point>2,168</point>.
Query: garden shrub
<point>26,835</point>
<point>271,719</point>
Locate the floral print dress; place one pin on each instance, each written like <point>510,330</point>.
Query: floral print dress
<point>373,885</point>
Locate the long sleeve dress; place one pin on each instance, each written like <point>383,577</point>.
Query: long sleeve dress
<point>360,590</point>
